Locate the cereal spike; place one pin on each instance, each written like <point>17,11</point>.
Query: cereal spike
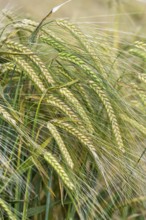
<point>83,40</point>
<point>54,163</point>
<point>52,100</point>
<point>4,205</point>
<point>29,70</point>
<point>110,113</point>
<point>37,61</point>
<point>83,138</point>
<point>79,62</point>
<point>7,116</point>
<point>78,108</point>
<point>60,143</point>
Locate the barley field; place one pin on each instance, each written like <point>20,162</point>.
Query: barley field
<point>73,110</point>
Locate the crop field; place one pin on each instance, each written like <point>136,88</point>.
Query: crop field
<point>73,110</point>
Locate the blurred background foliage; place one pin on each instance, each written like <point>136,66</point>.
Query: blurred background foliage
<point>78,8</point>
<point>126,15</point>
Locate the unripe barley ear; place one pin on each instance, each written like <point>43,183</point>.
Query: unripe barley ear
<point>58,168</point>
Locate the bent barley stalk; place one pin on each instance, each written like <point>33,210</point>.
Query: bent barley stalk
<point>136,124</point>
<point>54,101</point>
<point>79,108</point>
<point>79,62</point>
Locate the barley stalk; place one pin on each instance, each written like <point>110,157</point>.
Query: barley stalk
<point>10,67</point>
<point>86,98</point>
<point>140,45</point>
<point>64,91</point>
<point>142,77</point>
<point>142,95</point>
<point>46,36</point>
<point>138,52</point>
<point>50,41</point>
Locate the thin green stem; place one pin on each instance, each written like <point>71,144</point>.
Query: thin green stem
<point>26,196</point>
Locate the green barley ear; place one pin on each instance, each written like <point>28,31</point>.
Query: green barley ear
<point>55,43</point>
<point>6,208</point>
<point>78,107</point>
<point>82,136</point>
<point>112,117</point>
<point>134,123</point>
<point>139,50</point>
<point>83,41</point>
<point>58,168</point>
<point>81,64</point>
<point>30,55</point>
<point>29,70</point>
<point>60,144</point>
<point>7,116</point>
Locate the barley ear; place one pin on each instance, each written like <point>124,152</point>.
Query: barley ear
<point>30,72</point>
<point>60,143</point>
<point>7,116</point>
<point>82,137</point>
<point>78,107</point>
<point>6,208</point>
<point>110,112</point>
<point>83,41</point>
<point>58,168</point>
<point>36,60</point>
<point>55,101</point>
